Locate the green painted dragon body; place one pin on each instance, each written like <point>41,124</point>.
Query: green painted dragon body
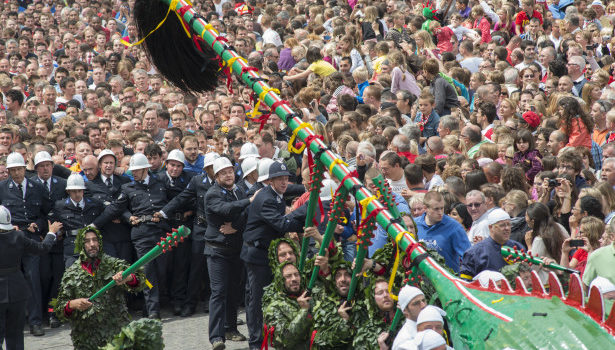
<point>478,318</point>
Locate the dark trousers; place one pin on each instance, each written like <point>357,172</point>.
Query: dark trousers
<point>198,277</point>
<point>259,276</point>
<point>31,269</point>
<point>52,269</point>
<point>69,251</point>
<point>143,241</point>
<point>224,274</point>
<point>121,250</point>
<point>12,320</point>
<point>180,258</point>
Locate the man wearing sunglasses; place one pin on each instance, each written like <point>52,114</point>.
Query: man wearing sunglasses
<point>479,209</point>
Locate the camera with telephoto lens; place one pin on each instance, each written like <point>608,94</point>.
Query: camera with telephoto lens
<point>554,183</point>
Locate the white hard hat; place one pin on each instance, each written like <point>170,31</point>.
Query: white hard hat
<point>15,160</point>
<point>263,169</point>
<point>249,165</point>
<point>75,182</point>
<point>106,152</point>
<point>176,155</point>
<point>328,188</point>
<point>209,159</point>
<point>221,163</point>
<point>248,150</point>
<point>42,156</point>
<point>5,218</point>
<point>138,161</point>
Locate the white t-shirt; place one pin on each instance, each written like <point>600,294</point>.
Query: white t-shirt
<point>471,63</point>
<point>270,36</point>
<point>404,337</point>
<point>399,185</point>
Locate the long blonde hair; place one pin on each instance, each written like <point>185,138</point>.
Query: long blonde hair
<point>427,41</point>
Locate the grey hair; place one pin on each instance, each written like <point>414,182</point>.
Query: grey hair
<point>476,193</point>
<point>511,75</point>
<point>411,131</point>
<point>367,149</point>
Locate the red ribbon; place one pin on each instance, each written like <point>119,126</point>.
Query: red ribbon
<point>263,118</point>
<point>246,69</point>
<point>408,259</point>
<point>268,336</point>
<point>312,338</point>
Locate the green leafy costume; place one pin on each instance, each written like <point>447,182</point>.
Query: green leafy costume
<point>332,331</point>
<point>143,334</point>
<point>97,325</point>
<point>291,323</point>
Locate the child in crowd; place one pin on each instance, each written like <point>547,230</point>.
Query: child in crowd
<point>526,155</point>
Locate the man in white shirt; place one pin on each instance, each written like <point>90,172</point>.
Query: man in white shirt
<point>411,302</point>
<point>270,36</point>
<point>390,165</point>
<point>478,209</point>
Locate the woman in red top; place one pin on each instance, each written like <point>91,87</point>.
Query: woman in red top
<point>481,22</point>
<point>591,231</point>
<point>575,123</point>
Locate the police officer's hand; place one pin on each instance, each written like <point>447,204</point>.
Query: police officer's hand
<point>116,221</point>
<point>254,196</point>
<point>343,311</point>
<point>33,227</point>
<point>55,227</point>
<point>118,278</point>
<point>155,218</point>
<point>133,220</point>
<point>188,214</point>
<point>81,304</point>
<point>304,301</point>
<point>227,228</point>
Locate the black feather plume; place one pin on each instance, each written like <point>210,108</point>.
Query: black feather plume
<point>174,54</point>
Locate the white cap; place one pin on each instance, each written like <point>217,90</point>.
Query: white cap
<point>496,216</point>
<point>5,218</point>
<point>209,159</point>
<point>75,182</point>
<point>487,275</point>
<point>42,156</point>
<point>597,3</point>
<point>430,314</point>
<point>106,152</point>
<point>484,161</point>
<point>263,169</point>
<point>221,163</point>
<point>603,285</point>
<point>15,160</point>
<point>406,294</point>
<point>327,190</point>
<point>248,150</point>
<point>138,161</point>
<point>249,165</point>
<point>176,155</point>
<point>428,339</point>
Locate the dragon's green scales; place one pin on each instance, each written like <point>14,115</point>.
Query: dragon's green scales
<point>479,318</point>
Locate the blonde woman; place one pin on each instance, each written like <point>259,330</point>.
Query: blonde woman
<point>507,110</point>
<point>346,48</point>
<point>424,44</point>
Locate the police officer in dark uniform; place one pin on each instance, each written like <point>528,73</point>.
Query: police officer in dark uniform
<point>106,187</point>
<point>137,203</point>
<point>266,222</point>
<point>74,213</point>
<point>52,263</point>
<point>28,201</point>
<point>249,178</point>
<point>14,290</point>
<point>226,219</point>
<point>175,178</point>
<point>193,196</point>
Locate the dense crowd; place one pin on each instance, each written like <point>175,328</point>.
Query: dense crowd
<point>493,122</point>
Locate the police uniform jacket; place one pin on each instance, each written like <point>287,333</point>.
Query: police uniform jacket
<point>484,255</point>
<point>266,222</point>
<point>174,188</point>
<point>243,186</point>
<point>226,206</point>
<point>137,199</point>
<point>98,189</point>
<point>13,245</point>
<point>33,208</point>
<point>193,196</point>
<point>74,218</point>
<point>57,192</point>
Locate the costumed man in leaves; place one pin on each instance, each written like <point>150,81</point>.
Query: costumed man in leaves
<point>95,324</point>
<point>381,310</point>
<point>288,312</point>
<point>335,319</point>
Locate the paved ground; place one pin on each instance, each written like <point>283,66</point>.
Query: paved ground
<point>179,334</point>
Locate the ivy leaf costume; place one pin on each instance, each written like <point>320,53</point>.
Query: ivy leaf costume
<point>143,334</point>
<point>97,325</point>
<point>291,323</point>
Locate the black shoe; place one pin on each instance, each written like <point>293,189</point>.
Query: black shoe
<point>154,316</point>
<point>177,310</point>
<point>187,311</point>
<point>240,322</point>
<point>36,330</point>
<point>54,322</point>
<point>234,336</point>
<point>218,345</point>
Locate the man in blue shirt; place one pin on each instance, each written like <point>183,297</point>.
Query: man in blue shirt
<point>194,160</point>
<point>486,254</point>
<point>441,232</point>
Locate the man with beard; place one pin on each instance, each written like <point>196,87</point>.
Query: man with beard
<point>94,325</point>
<point>381,310</point>
<point>288,310</point>
<point>334,317</point>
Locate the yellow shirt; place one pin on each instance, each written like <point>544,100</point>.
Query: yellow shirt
<point>322,68</point>
<point>75,168</point>
<point>377,64</point>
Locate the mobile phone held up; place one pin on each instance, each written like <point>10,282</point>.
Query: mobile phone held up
<point>574,243</point>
